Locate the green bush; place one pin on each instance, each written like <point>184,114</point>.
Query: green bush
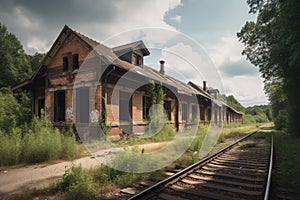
<point>77,183</point>
<point>36,143</point>
<point>198,139</point>
<point>10,148</point>
<point>13,112</point>
<point>166,133</point>
<point>281,120</point>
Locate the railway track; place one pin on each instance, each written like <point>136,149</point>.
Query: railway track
<point>239,171</point>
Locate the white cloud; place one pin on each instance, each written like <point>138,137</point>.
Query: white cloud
<point>117,17</point>
<point>192,63</point>
<point>247,89</point>
<point>176,18</point>
<point>144,21</point>
<point>228,49</point>
<point>37,44</point>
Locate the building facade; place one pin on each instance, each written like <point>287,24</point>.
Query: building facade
<point>78,73</point>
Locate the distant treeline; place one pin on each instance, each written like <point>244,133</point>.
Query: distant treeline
<point>252,114</point>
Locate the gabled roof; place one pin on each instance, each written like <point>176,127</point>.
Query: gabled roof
<point>200,90</point>
<point>138,45</point>
<point>89,43</point>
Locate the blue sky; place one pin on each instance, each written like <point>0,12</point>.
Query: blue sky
<point>208,26</point>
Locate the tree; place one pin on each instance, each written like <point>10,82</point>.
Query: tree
<point>35,61</point>
<point>14,110</point>
<point>158,118</point>
<point>273,44</point>
<point>14,65</point>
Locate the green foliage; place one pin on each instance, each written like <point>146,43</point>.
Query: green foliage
<point>232,102</point>
<point>13,112</point>
<point>261,113</point>
<point>10,148</point>
<point>167,133</point>
<point>14,65</point>
<point>156,93</point>
<point>36,143</point>
<point>77,183</point>
<point>157,115</point>
<point>273,44</point>
<point>198,139</point>
<point>105,128</point>
<point>248,119</point>
<point>35,61</point>
<point>105,175</point>
<point>287,163</point>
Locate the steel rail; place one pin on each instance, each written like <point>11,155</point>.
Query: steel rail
<point>269,179</point>
<point>147,193</point>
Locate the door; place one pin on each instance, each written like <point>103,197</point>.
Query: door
<point>82,105</point>
<point>59,106</point>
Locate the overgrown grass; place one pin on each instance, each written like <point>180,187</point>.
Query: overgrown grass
<point>234,130</point>
<point>76,183</point>
<point>79,183</point>
<point>38,142</point>
<point>287,160</point>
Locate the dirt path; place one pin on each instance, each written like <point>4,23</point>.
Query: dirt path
<point>18,180</point>
<point>22,179</point>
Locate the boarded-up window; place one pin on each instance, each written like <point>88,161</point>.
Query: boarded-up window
<point>209,114</point>
<point>75,61</point>
<point>202,113</point>
<point>184,113</point>
<point>82,105</point>
<point>125,107</point>
<point>65,63</point>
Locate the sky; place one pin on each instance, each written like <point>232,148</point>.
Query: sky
<point>196,38</point>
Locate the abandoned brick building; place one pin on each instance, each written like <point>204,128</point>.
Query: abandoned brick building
<point>59,88</point>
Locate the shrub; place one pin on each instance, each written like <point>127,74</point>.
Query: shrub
<point>166,133</point>
<point>36,143</point>
<point>13,112</point>
<point>198,139</point>
<point>77,183</point>
<point>10,148</point>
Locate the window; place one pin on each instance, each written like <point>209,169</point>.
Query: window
<point>75,61</point>
<point>146,107</point>
<point>167,107</point>
<point>65,64</point>
<point>136,59</point>
<point>184,112</point>
<point>209,114</point>
<point>202,113</point>
<point>194,112</point>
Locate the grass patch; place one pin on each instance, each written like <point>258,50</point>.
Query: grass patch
<point>79,183</point>
<point>76,183</point>
<point>38,142</point>
<point>287,160</point>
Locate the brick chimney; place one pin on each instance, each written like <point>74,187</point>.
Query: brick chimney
<point>162,66</point>
<point>204,86</point>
